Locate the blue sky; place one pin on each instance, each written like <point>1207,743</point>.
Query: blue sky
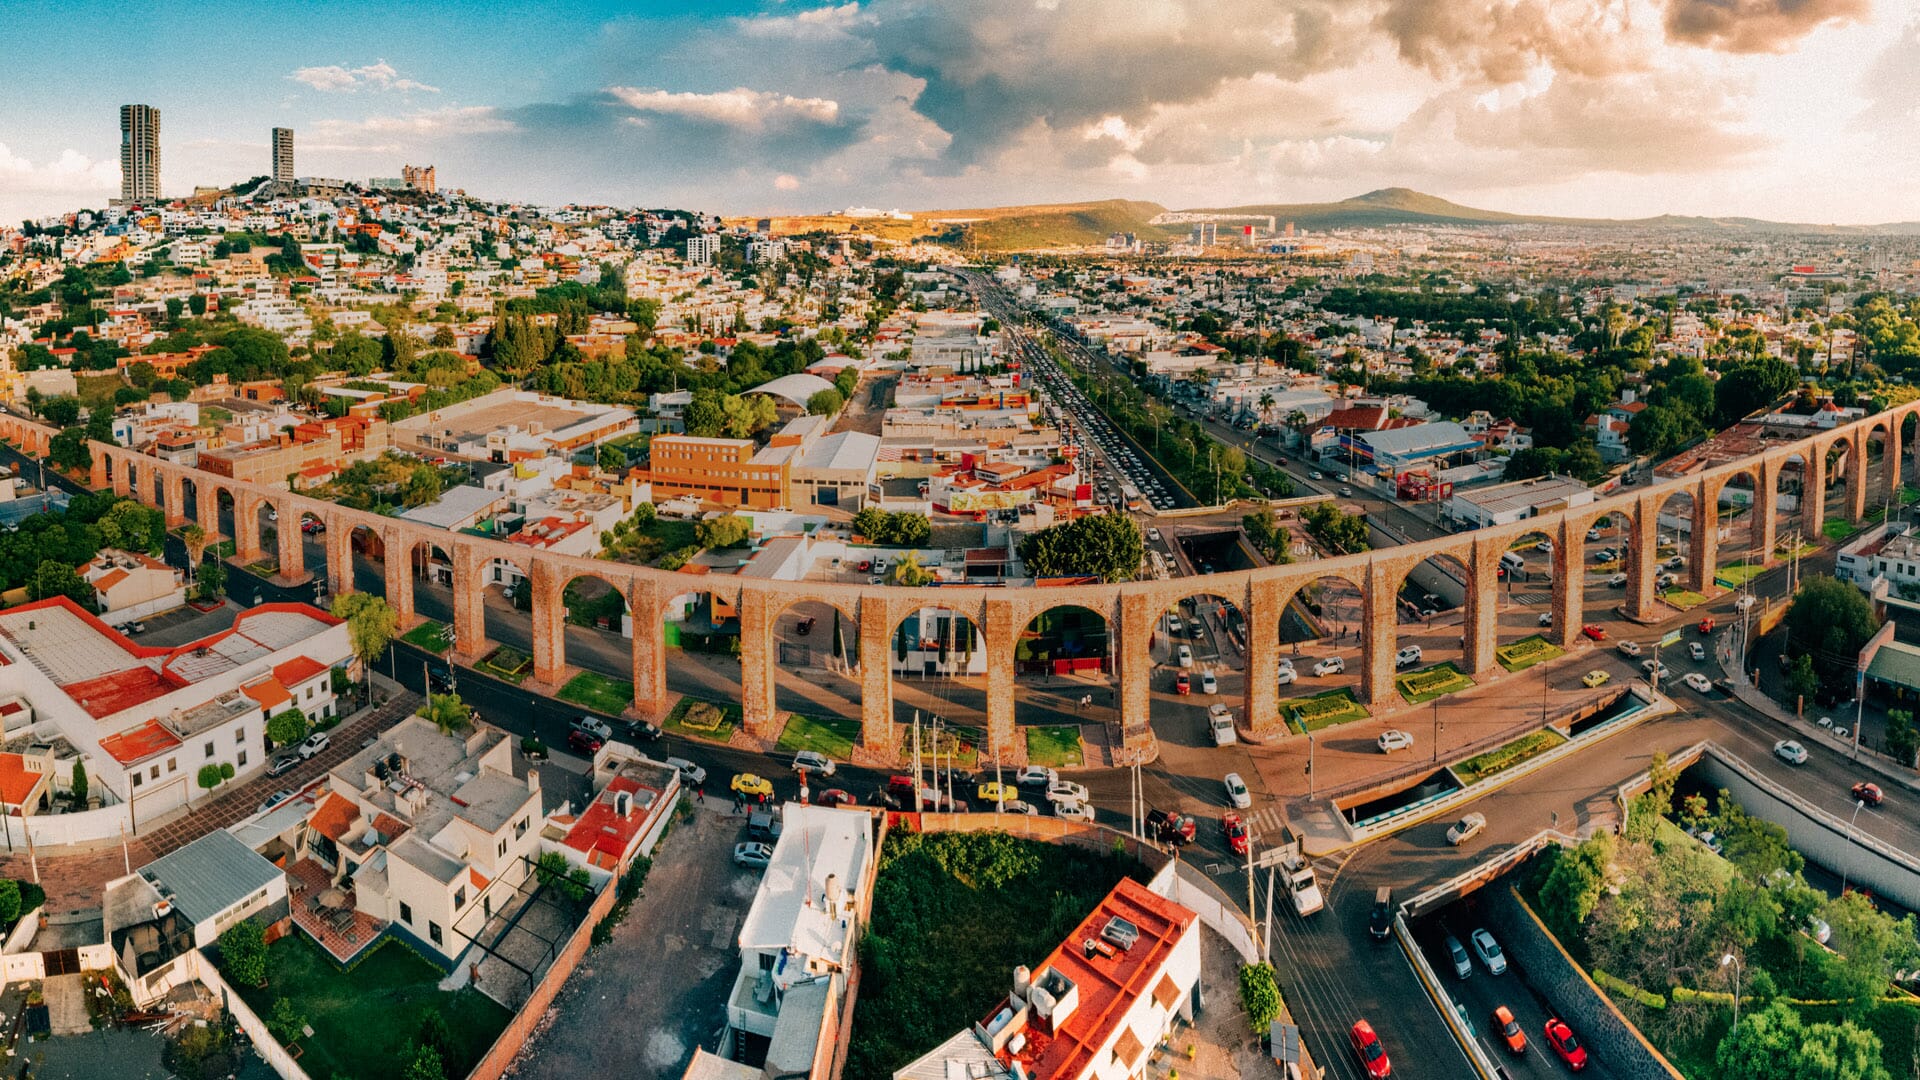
<point>1614,107</point>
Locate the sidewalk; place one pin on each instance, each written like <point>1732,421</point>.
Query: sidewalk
<point>1757,700</point>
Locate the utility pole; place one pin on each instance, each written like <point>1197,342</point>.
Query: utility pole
<point>1252,921</point>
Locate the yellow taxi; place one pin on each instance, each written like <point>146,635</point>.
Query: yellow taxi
<point>996,793</point>
<point>752,786</point>
<point>1595,678</point>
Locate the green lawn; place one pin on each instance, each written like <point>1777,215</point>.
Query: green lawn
<point>1682,598</point>
<point>1501,758</point>
<point>363,1019</point>
<point>1055,747</point>
<point>1838,529</point>
<point>1737,574</point>
<point>1528,651</point>
<point>831,736</point>
<point>598,692</point>
<point>1439,680</point>
<point>429,635</point>
<point>962,743</point>
<point>696,719</point>
<point>1322,710</point>
<point>507,663</point>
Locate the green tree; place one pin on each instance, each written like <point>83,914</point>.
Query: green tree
<point>69,450</point>
<point>705,415</point>
<point>448,712</point>
<point>243,953</point>
<point>371,627</point>
<point>212,776</point>
<point>61,412</point>
<point>9,902</point>
<point>1260,995</point>
<point>286,1022</point>
<point>1104,546</point>
<point>287,727</point>
<point>611,459</point>
<point>78,785</point>
<point>1802,682</point>
<point>1744,388</point>
<point>213,577</point>
<point>425,1064</point>
<point>1870,946</point>
<point>1830,621</point>
<point>57,578</point>
<point>727,530</point>
<point>1764,1043</point>
<point>827,402</point>
<point>1902,740</point>
<point>1573,886</point>
<point>130,526</point>
<point>908,572</point>
<point>197,303</point>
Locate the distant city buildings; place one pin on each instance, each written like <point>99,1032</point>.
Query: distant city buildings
<point>139,153</point>
<point>282,155</point>
<point>418,178</point>
<point>701,249</point>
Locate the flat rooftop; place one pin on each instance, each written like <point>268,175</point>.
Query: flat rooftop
<point>1525,494</point>
<point>488,416</point>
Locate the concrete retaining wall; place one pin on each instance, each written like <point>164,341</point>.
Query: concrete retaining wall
<point>1570,993</point>
<point>1822,837</point>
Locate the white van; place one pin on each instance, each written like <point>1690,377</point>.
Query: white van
<point>1512,561</point>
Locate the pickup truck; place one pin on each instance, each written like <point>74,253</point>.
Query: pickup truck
<point>1220,722</point>
<point>1296,877</point>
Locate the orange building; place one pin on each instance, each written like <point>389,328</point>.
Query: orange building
<point>725,471</point>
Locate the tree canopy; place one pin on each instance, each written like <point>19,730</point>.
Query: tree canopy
<point>1104,546</point>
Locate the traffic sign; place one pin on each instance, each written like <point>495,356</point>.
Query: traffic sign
<point>1671,637</point>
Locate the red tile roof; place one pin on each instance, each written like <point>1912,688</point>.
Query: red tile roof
<point>334,816</point>
<point>120,690</point>
<point>139,744</point>
<point>268,692</point>
<point>17,783</point>
<point>298,670</point>
<point>601,830</point>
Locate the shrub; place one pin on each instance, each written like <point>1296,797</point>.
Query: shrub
<point>243,953</point>
<point>1259,995</point>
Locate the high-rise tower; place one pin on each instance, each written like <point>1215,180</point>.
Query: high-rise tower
<point>139,153</point>
<point>283,155</point>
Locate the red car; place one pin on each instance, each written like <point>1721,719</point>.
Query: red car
<point>1366,1047</point>
<point>1236,833</point>
<point>583,742</point>
<point>1595,631</point>
<point>1510,1030</point>
<point>1561,1038</point>
<point>1182,684</point>
<point>1868,793</point>
<point>833,797</point>
<point>1706,625</point>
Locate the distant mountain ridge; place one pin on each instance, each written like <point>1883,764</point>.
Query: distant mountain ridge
<point>1014,228</point>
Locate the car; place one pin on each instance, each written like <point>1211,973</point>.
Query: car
<point>1153,535</point>
<point>1629,648</point>
<point>689,772</point>
<point>1466,829</point>
<point>1394,739</point>
<point>1488,950</point>
<point>1592,535</point>
<point>136,628</point>
<point>1073,811</point>
<point>814,762</point>
<point>1818,929</point>
<point>1182,684</point>
<point>1665,581</point>
<point>1286,674</point>
<point>1407,657</point>
<point>1867,793</point>
<point>1696,650</point>
<point>1035,776</point>
<point>1605,555</point>
<point>1745,602</point>
<point>1237,837</point>
<point>1790,752</point>
<point>1509,1030</point>
<point>764,825</point>
<point>751,786</point>
<point>1346,492</point>
<point>585,742</point>
<point>1209,684</point>
<point>1173,828</point>
<point>1185,657</point>
<point>1698,682</point>
<point>1019,806</point>
<point>804,626</point>
<point>1594,631</point>
<point>1457,953</point>
<point>752,853</point>
<point>275,799</point>
<point>1317,475</point>
<point>1825,721</point>
<point>1561,1038</point>
<point>1545,547</point>
<point>1366,1047</point>
<point>1332,665</point>
<point>1617,581</point>
<point>594,726</point>
<point>1595,679</point>
<point>1066,791</point>
<point>1220,724</point>
<point>314,743</point>
<point>1237,794</point>
<point>1654,668</point>
<point>1380,915</point>
<point>993,793</point>
<point>284,764</point>
<point>833,797</point>
<point>1545,619</point>
<point>640,731</point>
<point>1174,626</point>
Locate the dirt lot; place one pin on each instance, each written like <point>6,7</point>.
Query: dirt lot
<point>640,1004</point>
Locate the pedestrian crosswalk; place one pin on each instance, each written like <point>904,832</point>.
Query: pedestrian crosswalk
<point>1532,598</point>
<point>1263,822</point>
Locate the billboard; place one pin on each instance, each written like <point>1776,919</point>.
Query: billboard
<point>969,502</point>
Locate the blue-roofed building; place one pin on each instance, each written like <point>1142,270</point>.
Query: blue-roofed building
<point>1398,449</point>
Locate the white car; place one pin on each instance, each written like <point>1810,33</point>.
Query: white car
<point>1545,547</point>
<point>1208,684</point>
<point>1185,657</point>
<point>1790,752</point>
<point>1394,739</point>
<point>814,762</point>
<point>1332,665</point>
<point>1696,650</point>
<point>1220,723</point>
<point>1698,682</point>
<point>1065,791</point>
<point>1035,776</point>
<point>1593,534</point>
<point>1073,811</point>
<point>1153,535</point>
<point>314,743</point>
<point>1286,673</point>
<point>1629,648</point>
<point>1488,950</point>
<point>1466,829</point>
<point>1654,668</point>
<point>1617,581</point>
<point>1407,657</point>
<point>1745,602</point>
<point>1546,618</point>
<point>1237,794</point>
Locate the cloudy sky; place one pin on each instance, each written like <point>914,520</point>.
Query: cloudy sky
<point>1801,110</point>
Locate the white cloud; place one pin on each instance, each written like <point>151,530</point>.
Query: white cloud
<point>379,75</point>
<point>427,123</point>
<point>737,108</point>
<point>66,182</point>
<point>786,182</point>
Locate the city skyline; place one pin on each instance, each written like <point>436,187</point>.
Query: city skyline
<point>1595,109</point>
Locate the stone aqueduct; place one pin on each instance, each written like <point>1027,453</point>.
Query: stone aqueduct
<point>1132,609</point>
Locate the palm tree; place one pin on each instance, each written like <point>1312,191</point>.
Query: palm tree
<point>195,539</point>
<point>909,573</point>
<point>1266,403</point>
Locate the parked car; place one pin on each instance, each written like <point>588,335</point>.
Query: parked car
<point>1466,829</point>
<point>1035,776</point>
<point>584,742</point>
<point>1488,950</point>
<point>1066,791</point>
<point>1171,827</point>
<point>814,762</point>
<point>1237,838</point>
<point>1545,619</point>
<point>764,825</point>
<point>1019,806</point>
<point>833,797</point>
<point>639,731</point>
<point>594,726</point>
<point>1407,657</point>
<point>1073,811</point>
<point>1456,952</point>
<point>751,786</point>
<point>1182,683</point>
<point>1332,665</point>
<point>752,853</point>
<point>314,743</point>
<point>1237,794</point>
<point>275,799</point>
<point>1394,739</point>
<point>1366,1047</point>
<point>1867,793</point>
<point>285,763</point>
<point>1595,631</point>
<point>1509,1030</point>
<point>1561,1038</point>
<point>689,772</point>
<point>1286,674</point>
<point>992,793</point>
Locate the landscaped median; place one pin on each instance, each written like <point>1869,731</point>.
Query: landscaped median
<point>598,692</point>
<point>432,636</point>
<point>1504,757</point>
<point>1420,687</point>
<point>1528,651</point>
<point>696,719</point>
<point>1322,710</point>
<point>507,663</point>
<point>832,736</point>
<point>1055,747</point>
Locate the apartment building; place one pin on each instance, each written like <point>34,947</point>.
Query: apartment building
<point>132,585</point>
<point>729,472</point>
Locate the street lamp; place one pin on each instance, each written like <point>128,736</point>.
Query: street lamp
<point>1436,729</point>
<point>1858,805</point>
<point>1729,958</point>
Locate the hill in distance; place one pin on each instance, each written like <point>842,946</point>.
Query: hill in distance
<point>1018,228</point>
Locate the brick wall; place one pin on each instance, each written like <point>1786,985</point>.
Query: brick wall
<point>505,1048</point>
